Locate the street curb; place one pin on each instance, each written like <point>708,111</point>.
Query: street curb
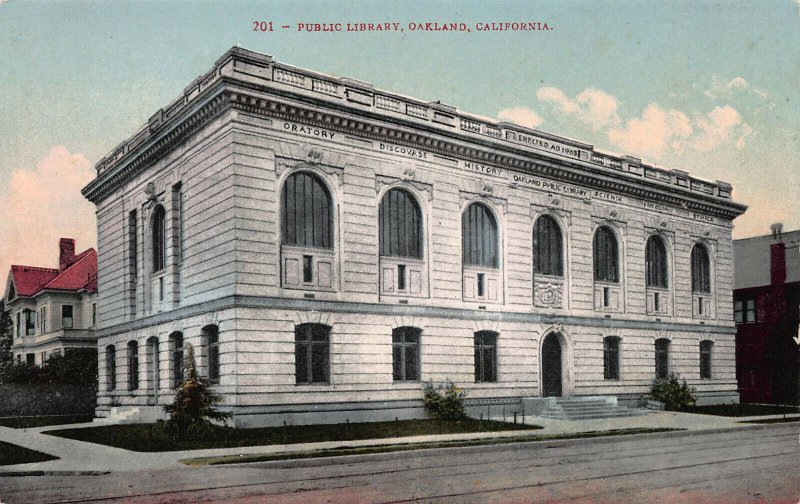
<point>551,443</point>
<point>18,474</point>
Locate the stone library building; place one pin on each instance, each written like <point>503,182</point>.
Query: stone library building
<point>327,247</point>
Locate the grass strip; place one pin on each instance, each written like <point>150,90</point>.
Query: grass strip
<point>155,437</point>
<point>43,421</point>
<point>11,454</point>
<point>772,420</point>
<point>365,450</point>
<point>741,410</point>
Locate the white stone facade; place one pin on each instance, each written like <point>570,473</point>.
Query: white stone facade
<point>217,159</point>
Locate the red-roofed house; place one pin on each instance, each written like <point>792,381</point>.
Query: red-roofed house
<point>53,309</point>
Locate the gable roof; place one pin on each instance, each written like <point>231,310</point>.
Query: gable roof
<point>28,280</point>
<point>79,275</point>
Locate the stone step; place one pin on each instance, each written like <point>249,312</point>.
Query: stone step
<point>591,415</point>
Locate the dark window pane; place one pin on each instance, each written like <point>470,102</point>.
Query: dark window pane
<point>662,358</point>
<point>401,277</point>
<point>111,367</point>
<point>701,270</point>
<point>308,262</point>
<point>400,225</point>
<point>397,362</point>
<point>312,352</point>
<point>605,255</point>
<point>485,356</point>
<point>301,362</point>
<point>705,359</point>
<point>611,358</point>
<point>656,262</point>
<point>159,238</point>
<point>412,361</point>
<point>547,247</point>
<point>306,209</point>
<point>479,237</point>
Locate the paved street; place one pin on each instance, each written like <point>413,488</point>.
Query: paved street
<point>741,465</point>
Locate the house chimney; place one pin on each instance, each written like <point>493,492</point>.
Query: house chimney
<point>66,252</point>
<point>777,265</point>
<point>777,230</point>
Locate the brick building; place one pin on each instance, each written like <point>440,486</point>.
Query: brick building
<point>326,246</point>
<point>766,301</point>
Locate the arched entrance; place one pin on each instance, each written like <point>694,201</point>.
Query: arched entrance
<point>551,366</point>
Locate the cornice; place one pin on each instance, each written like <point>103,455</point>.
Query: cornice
<point>225,92</point>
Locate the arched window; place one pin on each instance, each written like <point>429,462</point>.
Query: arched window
<point>307,219</point>
<point>606,255</point>
<point>111,367</point>
<point>701,270</point>
<point>479,237</point>
<point>485,356</point>
<point>405,353</point>
<point>662,358</point>
<point>656,262</point>
<point>705,359</point>
<point>547,247</point>
<point>312,353</point>
<point>133,365</point>
<point>400,225</point>
<point>611,358</point>
<point>158,229</point>
<point>211,342</point>
<point>176,354</point>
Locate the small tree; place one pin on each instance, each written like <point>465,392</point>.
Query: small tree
<point>443,401</point>
<point>193,408</point>
<point>673,392</point>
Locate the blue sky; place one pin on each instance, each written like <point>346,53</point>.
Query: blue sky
<point>707,87</point>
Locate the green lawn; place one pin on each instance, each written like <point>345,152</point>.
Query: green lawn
<point>12,454</point>
<point>742,410</point>
<point>152,437</point>
<point>42,421</point>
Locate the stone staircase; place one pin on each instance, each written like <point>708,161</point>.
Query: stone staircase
<point>579,408</point>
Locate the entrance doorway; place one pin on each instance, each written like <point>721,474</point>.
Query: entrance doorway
<point>551,366</point>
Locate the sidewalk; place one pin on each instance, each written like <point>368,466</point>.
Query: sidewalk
<point>81,457</point>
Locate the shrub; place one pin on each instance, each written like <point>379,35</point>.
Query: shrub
<point>443,401</point>
<point>76,366</point>
<point>193,410</point>
<point>673,392</point>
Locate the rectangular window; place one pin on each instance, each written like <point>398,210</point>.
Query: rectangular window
<point>611,358</point>
<point>111,367</point>
<point>308,268</point>
<point>66,317</point>
<point>30,359</point>
<point>311,352</point>
<point>94,313</point>
<point>481,284</point>
<point>656,302</point>
<point>401,277</point>
<point>744,311</point>
<point>485,356</point>
<point>133,365</point>
<point>662,358</point>
<point>606,297</point>
<point>18,327</point>
<point>705,359</point>
<point>405,354</point>
<point>43,319</point>
<point>30,322</point>
<point>700,305</point>
<point>176,344</point>
<point>161,289</point>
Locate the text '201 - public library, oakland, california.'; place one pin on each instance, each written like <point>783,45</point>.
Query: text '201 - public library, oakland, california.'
<point>326,247</point>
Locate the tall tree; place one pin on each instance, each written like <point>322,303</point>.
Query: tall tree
<point>6,357</point>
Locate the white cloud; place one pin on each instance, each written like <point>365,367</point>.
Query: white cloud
<point>40,206</point>
<point>593,107</point>
<point>652,134</point>
<point>721,88</point>
<point>520,115</point>
<point>716,127</point>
